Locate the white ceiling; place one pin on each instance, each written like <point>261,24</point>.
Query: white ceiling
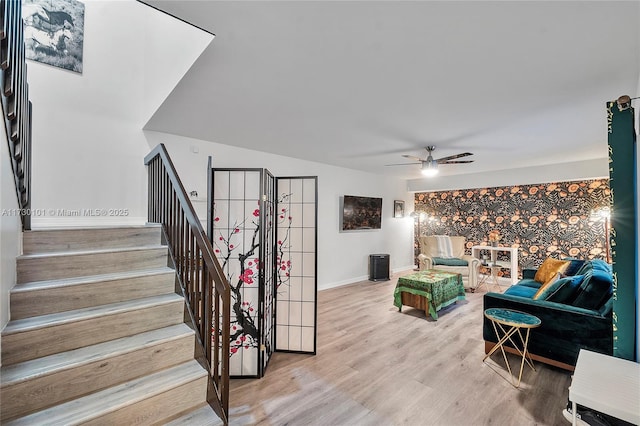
<point>358,83</point>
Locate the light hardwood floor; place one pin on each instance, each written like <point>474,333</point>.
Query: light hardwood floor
<point>376,366</point>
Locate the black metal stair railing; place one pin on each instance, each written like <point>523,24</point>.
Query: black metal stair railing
<point>16,106</point>
<point>204,285</point>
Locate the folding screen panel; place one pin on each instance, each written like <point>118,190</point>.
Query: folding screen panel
<point>240,214</point>
<point>296,262</point>
<point>263,230</point>
<point>267,308</point>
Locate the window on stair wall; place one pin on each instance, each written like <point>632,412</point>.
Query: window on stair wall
<point>542,220</point>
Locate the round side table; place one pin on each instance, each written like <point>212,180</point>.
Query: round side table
<point>511,322</point>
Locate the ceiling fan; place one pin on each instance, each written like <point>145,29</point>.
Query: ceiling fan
<point>430,165</point>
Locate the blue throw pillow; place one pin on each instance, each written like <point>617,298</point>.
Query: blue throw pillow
<point>586,267</point>
<point>601,265</point>
<point>567,290</point>
<point>595,290</point>
<point>551,288</point>
<point>573,267</point>
<point>449,261</point>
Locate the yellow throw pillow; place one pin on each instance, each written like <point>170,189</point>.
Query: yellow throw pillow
<point>549,268</point>
<point>542,288</point>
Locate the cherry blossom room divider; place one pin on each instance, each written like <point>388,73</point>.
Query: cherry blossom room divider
<point>263,232</point>
<point>296,264</point>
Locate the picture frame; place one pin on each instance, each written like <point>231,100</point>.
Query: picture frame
<point>54,32</point>
<point>398,208</point>
<point>360,213</point>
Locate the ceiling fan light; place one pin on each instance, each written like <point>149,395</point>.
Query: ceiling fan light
<point>429,168</point>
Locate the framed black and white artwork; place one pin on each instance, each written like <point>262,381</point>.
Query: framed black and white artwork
<point>54,32</point>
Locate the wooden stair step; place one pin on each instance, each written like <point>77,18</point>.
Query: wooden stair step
<point>66,294</point>
<point>51,266</point>
<point>72,239</point>
<point>146,400</point>
<point>200,416</point>
<point>43,382</point>
<point>35,337</point>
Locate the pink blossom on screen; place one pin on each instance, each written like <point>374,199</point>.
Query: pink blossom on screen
<point>256,212</point>
<point>247,277</point>
<point>216,219</point>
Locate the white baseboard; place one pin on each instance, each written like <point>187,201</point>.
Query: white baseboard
<point>327,286</point>
<point>353,280</point>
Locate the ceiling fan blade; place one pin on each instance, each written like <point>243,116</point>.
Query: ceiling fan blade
<point>413,158</point>
<point>453,157</point>
<point>402,164</point>
<point>455,162</point>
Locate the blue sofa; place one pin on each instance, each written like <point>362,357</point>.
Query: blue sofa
<point>576,312</point>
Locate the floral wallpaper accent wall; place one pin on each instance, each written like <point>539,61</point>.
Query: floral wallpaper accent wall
<point>545,220</point>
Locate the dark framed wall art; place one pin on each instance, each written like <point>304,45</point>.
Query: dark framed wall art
<point>360,213</point>
<point>398,208</point>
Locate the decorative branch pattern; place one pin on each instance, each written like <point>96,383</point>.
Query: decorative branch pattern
<point>257,249</point>
<point>283,265</point>
<point>244,331</point>
<point>295,264</point>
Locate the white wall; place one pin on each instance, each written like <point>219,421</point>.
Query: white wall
<point>10,229</point>
<point>97,163</point>
<point>88,146</point>
<point>342,256</point>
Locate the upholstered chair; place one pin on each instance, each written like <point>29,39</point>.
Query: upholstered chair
<point>431,258</point>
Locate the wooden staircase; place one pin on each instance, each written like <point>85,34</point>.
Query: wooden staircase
<point>97,334</point>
